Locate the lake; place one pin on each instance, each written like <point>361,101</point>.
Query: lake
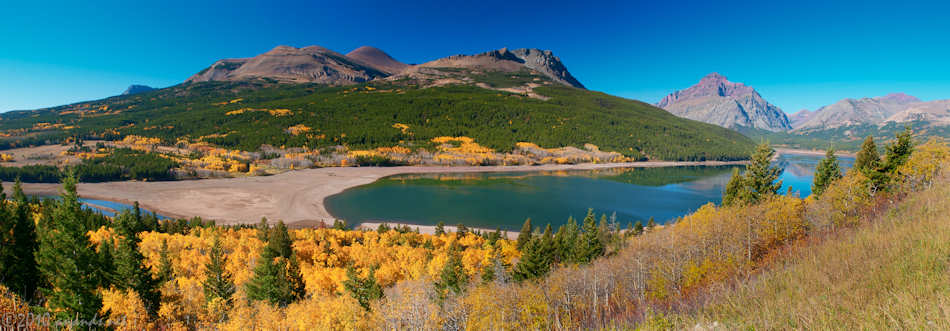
<point>506,199</point>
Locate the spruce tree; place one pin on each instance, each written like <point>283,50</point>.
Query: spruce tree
<point>67,259</point>
<point>440,228</point>
<point>18,269</point>
<point>131,273</point>
<point>452,277</point>
<point>735,189</point>
<point>761,178</point>
<point>897,153</point>
<point>277,278</point>
<point>638,228</point>
<point>364,290</point>
<point>826,173</point>
<point>218,283</point>
<point>525,236</point>
<point>867,160</point>
<point>590,246</point>
<point>165,271</point>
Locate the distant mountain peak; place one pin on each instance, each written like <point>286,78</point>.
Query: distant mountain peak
<point>509,60</point>
<point>136,89</point>
<point>718,101</point>
<point>376,58</point>
<point>899,97</point>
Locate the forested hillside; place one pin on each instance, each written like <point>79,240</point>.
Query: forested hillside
<point>243,116</point>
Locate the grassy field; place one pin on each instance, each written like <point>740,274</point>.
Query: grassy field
<point>891,273</point>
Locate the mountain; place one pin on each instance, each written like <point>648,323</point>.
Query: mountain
<point>802,116</point>
<point>933,112</point>
<point>136,89</point>
<point>312,64</point>
<point>502,60</point>
<point>376,58</point>
<point>848,112</point>
<point>718,101</point>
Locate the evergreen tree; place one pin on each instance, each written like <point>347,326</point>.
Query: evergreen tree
<point>277,278</point>
<point>452,277</point>
<point>279,241</point>
<point>364,290</point>
<point>525,236</point>
<point>461,230</point>
<point>638,228</point>
<point>761,177</point>
<point>867,160</point>
<point>826,172</point>
<point>735,189</point>
<point>440,228</point>
<point>270,281</point>
<point>18,269</point>
<point>339,225</point>
<point>106,258</point>
<point>897,153</point>
<point>651,223</point>
<point>590,245</point>
<point>218,283</point>
<point>165,272</point>
<point>67,259</point>
<point>263,229</point>
<point>383,228</point>
<point>131,273</point>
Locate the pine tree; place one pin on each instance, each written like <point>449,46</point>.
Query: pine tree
<point>897,153</point>
<point>638,228</point>
<point>263,229</point>
<point>383,228</point>
<point>452,277</point>
<point>440,228</point>
<point>867,160</point>
<point>734,189</point>
<point>826,173</point>
<point>339,225</point>
<point>218,283</point>
<point>651,223</point>
<point>131,273</point>
<point>461,230</point>
<point>106,257</point>
<point>364,290</point>
<point>67,259</point>
<point>277,278</point>
<point>761,178</point>
<point>525,236</point>
<point>590,246</point>
<point>165,271</point>
<point>18,269</point>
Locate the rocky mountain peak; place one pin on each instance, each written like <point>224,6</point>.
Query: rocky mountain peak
<point>376,58</point>
<point>136,89</point>
<point>718,101</point>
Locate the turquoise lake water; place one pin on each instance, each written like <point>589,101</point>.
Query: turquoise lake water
<point>506,199</point>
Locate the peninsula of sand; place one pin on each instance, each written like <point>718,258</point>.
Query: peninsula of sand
<point>296,197</point>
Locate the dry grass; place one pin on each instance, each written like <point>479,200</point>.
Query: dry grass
<point>890,273</point>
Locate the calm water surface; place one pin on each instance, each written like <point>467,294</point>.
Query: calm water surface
<point>505,199</point>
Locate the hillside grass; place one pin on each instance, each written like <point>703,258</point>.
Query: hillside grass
<point>890,273</point>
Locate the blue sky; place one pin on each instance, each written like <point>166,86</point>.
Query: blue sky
<point>797,54</point>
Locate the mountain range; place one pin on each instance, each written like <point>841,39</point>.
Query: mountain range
<point>316,64</point>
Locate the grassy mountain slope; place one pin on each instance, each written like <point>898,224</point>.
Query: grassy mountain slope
<point>244,115</point>
<point>888,274</point>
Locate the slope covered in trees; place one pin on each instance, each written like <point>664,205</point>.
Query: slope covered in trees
<point>246,115</point>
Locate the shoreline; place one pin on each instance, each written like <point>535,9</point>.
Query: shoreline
<point>296,197</point>
<point>430,229</point>
<point>810,152</point>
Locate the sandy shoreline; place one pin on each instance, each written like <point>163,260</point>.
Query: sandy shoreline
<point>296,197</point>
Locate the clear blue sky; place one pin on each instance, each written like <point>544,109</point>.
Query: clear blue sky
<point>798,54</point>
